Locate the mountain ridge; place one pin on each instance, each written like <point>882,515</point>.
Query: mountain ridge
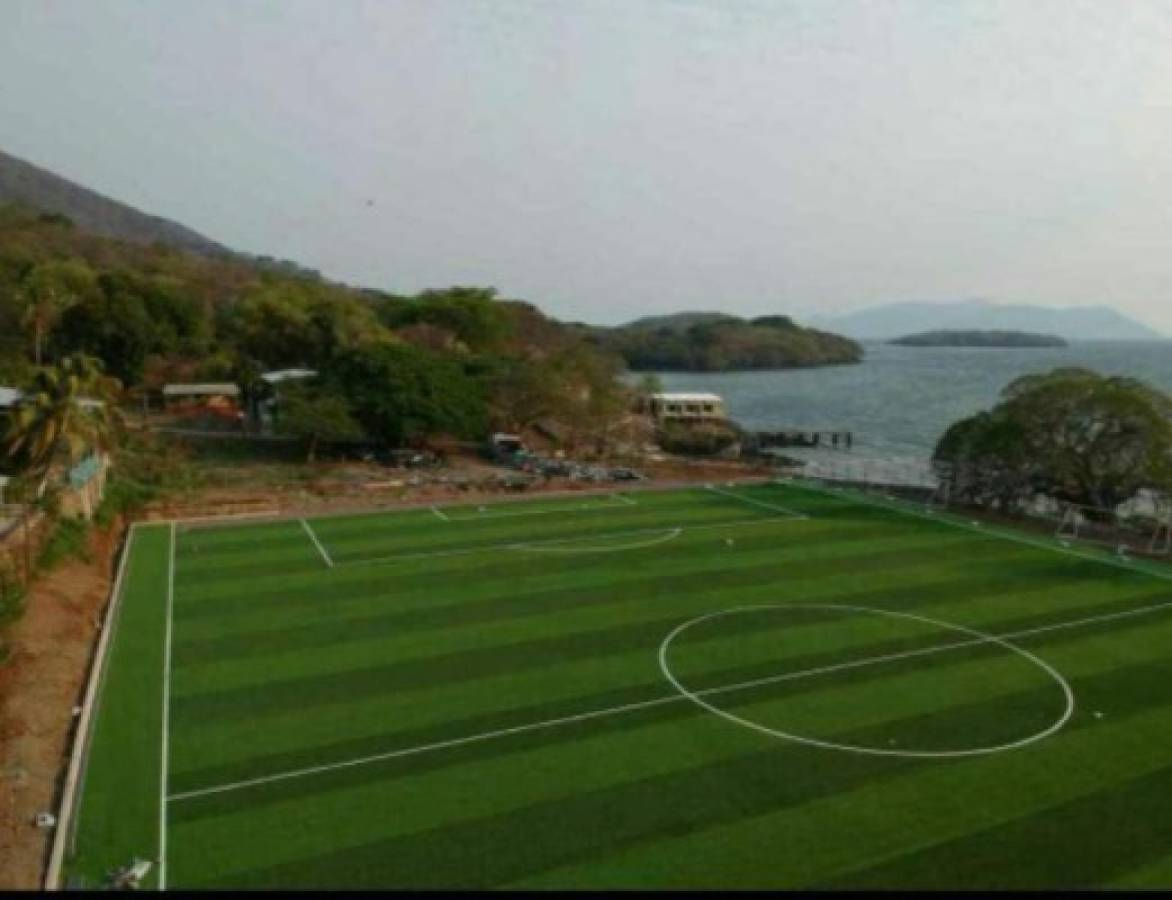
<point>27,184</point>
<point>1074,323</point>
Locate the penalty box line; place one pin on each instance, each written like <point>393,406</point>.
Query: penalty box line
<point>661,701</point>
<point>589,504</point>
<point>547,542</point>
<point>320,549</point>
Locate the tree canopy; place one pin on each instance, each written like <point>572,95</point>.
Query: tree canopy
<point>1072,434</point>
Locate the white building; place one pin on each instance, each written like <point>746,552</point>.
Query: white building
<point>687,407</point>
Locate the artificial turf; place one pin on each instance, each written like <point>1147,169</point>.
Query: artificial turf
<point>475,696</point>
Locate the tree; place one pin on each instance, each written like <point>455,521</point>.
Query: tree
<point>49,289</point>
<point>400,393</point>
<point>1071,434</point>
<point>68,412</point>
<point>314,414</point>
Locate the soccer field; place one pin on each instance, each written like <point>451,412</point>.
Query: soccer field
<point>769,685</point>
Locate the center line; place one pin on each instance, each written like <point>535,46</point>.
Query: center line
<point>661,701</point>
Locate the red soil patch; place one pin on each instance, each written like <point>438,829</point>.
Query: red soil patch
<point>39,686</point>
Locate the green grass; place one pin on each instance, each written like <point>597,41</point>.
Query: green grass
<point>473,698</point>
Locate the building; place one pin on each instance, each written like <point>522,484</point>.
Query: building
<point>219,400</point>
<point>686,407</point>
<point>266,398</point>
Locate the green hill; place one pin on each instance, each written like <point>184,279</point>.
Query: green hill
<point>715,342</point>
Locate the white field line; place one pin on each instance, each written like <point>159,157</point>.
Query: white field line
<point>439,515</point>
<point>669,535</point>
<point>320,549</point>
<point>789,512</point>
<point>528,545</point>
<point>662,701</point>
<point>67,814</point>
<point>165,754</point>
<point>627,500</point>
<point>948,519</point>
<point>582,507</point>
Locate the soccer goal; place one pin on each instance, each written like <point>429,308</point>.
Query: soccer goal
<point>1143,525</point>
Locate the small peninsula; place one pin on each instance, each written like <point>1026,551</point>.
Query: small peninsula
<point>715,342</point>
<point>974,338</point>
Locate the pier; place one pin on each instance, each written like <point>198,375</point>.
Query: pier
<point>837,440</point>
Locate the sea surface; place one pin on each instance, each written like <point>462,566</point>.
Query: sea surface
<point>900,400</point>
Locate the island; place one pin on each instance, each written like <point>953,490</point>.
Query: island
<point>716,342</point>
<point>975,338</point>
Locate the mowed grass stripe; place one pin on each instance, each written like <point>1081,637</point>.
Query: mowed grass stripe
<point>640,660</point>
<point>377,724</point>
<point>424,602</point>
<point>971,671</point>
<point>537,652</point>
<point>458,708</point>
<point>631,524</point>
<point>423,579</point>
<point>626,585</point>
<point>432,538</point>
<point>1006,611</point>
<point>886,818</point>
<point>498,848</point>
<point>1101,836</point>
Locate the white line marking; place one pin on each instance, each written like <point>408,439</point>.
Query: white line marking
<point>668,535</point>
<point>165,753</point>
<point>424,748</point>
<point>627,500</point>
<point>661,701</point>
<point>977,637</point>
<point>589,505</point>
<point>491,548</point>
<point>761,503</point>
<point>944,519</point>
<point>317,543</point>
<point>439,515</point>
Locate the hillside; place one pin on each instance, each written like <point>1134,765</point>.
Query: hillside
<point>1075,323</point>
<point>714,342</point>
<point>28,185</point>
<point>972,338</point>
<point>154,315</point>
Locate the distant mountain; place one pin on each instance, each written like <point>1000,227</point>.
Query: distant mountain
<point>980,339</point>
<point>715,342</point>
<point>1075,323</point>
<point>28,185</point>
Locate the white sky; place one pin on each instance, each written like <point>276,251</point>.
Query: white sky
<point>612,158</point>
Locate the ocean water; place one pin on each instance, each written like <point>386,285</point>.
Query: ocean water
<point>899,400</point>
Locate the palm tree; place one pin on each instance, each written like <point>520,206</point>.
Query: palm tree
<point>69,413</point>
<point>50,289</point>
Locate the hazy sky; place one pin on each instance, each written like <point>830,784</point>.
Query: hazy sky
<point>609,158</point>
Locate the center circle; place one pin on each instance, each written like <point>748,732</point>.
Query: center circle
<point>977,636</point>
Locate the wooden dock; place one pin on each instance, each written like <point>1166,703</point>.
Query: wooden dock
<point>837,440</point>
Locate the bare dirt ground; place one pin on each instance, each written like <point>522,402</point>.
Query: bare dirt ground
<point>39,686</point>
<point>53,643</point>
<point>338,487</point>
